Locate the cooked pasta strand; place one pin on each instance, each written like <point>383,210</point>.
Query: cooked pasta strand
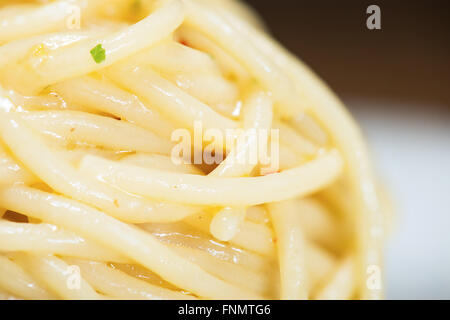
<point>291,250</point>
<point>127,240</point>
<point>174,150</point>
<point>201,190</point>
<point>17,281</point>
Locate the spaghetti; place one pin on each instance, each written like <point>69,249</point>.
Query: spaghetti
<point>94,204</point>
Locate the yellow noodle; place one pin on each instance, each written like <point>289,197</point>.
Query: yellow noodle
<point>53,273</point>
<point>170,100</point>
<point>30,20</point>
<point>102,96</point>
<point>97,130</point>
<point>119,285</point>
<point>258,114</point>
<point>291,247</point>
<point>94,95</point>
<point>127,240</point>
<point>17,281</point>
<point>76,60</point>
<point>341,285</point>
<point>61,176</point>
<point>194,189</point>
<point>51,239</point>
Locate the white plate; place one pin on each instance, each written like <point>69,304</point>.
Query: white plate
<point>411,150</point>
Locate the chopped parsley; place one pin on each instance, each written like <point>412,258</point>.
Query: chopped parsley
<point>98,53</point>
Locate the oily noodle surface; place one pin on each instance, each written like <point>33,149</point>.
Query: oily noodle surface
<point>92,204</point>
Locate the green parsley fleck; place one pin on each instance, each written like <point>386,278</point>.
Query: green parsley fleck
<point>98,53</point>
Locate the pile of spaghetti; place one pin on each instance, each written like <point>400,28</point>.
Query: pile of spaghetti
<point>92,203</point>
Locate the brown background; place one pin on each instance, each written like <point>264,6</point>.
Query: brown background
<point>408,60</point>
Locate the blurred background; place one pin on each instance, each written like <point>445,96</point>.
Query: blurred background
<point>396,82</point>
